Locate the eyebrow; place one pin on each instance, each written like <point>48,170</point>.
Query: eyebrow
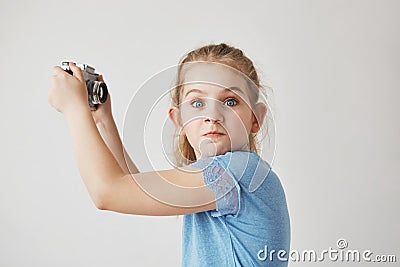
<point>233,88</point>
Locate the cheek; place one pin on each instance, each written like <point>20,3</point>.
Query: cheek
<point>240,122</point>
<point>192,130</point>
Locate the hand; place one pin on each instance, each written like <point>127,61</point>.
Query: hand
<point>103,111</point>
<point>67,92</point>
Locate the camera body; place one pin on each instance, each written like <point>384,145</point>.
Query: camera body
<point>97,90</point>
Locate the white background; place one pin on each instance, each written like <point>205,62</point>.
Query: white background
<point>333,65</point>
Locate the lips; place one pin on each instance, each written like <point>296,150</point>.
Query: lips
<point>213,134</point>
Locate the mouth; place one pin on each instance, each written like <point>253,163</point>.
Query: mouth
<point>213,134</point>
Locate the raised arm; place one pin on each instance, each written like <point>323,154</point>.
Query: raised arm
<point>162,193</point>
<point>152,193</point>
<point>109,132</point>
<point>105,123</point>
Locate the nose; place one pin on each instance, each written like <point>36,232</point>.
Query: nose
<point>213,113</point>
<point>211,120</point>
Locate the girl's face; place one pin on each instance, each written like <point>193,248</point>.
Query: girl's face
<point>215,113</point>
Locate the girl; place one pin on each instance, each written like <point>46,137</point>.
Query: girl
<point>226,223</point>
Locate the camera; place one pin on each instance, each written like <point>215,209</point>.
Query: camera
<point>97,90</point>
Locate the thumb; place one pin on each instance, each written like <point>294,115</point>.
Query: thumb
<point>77,72</point>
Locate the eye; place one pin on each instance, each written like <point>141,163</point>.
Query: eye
<point>231,102</point>
<point>197,103</point>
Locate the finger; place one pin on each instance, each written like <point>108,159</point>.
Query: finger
<point>58,71</point>
<point>77,72</point>
<point>108,98</point>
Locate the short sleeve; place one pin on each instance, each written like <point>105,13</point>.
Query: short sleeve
<point>222,183</point>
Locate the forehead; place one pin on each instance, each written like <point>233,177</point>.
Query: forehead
<point>204,74</point>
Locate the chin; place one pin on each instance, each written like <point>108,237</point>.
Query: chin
<point>213,152</point>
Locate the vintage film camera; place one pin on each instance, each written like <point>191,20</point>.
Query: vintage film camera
<point>97,91</point>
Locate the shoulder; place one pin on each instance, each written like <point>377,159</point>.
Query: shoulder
<point>243,165</point>
<point>244,158</point>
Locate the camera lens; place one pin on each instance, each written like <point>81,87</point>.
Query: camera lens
<point>99,92</point>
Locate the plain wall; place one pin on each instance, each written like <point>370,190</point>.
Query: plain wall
<point>334,68</point>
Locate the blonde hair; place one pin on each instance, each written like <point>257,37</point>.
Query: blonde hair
<point>219,53</point>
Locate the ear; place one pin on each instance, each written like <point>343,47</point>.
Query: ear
<point>175,116</point>
<point>260,111</point>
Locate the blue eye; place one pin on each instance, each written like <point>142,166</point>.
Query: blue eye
<point>231,102</point>
<point>197,103</point>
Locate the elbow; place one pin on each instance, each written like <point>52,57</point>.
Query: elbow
<point>101,196</point>
<point>104,195</point>
<point>100,205</point>
<point>99,201</point>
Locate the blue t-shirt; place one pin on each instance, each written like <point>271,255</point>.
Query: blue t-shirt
<point>251,217</point>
